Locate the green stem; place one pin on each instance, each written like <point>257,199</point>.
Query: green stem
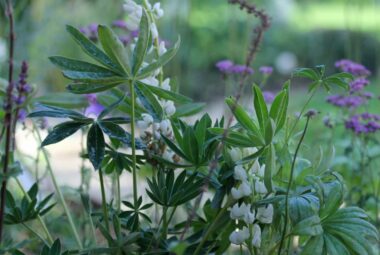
<point>36,234</point>
<point>118,193</point>
<point>301,113</point>
<point>133,144</point>
<point>104,200</point>
<point>289,186</point>
<point>57,189</point>
<point>164,222</point>
<point>39,218</point>
<point>211,228</point>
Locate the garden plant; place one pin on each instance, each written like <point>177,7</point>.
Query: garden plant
<point>238,184</point>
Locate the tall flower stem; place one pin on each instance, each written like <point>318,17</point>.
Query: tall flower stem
<point>133,143</point>
<point>104,200</point>
<point>8,153</point>
<point>57,188</point>
<point>289,186</point>
<point>36,234</point>
<point>39,218</point>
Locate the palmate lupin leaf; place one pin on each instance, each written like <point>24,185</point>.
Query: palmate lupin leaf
<point>27,209</point>
<point>345,230</point>
<point>167,190</point>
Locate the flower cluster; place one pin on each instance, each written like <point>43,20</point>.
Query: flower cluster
<point>268,96</point>
<point>250,185</point>
<point>351,101</point>
<point>23,90</point>
<point>94,108</point>
<point>228,67</point>
<point>352,67</point>
<point>266,70</point>
<point>364,123</point>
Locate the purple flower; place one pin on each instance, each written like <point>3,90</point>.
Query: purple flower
<point>346,101</point>
<point>21,116</point>
<point>225,66</point>
<point>266,70</point>
<point>364,123</point>
<point>352,67</point>
<point>358,84</point>
<point>241,69</point>
<point>94,108</point>
<point>125,39</point>
<point>135,33</point>
<point>119,24</point>
<point>268,97</point>
<point>367,95</point>
<point>91,31</point>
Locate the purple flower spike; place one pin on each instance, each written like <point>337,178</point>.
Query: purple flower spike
<point>21,116</point>
<point>225,66</point>
<point>346,101</point>
<point>268,97</point>
<point>120,24</point>
<point>266,70</point>
<point>352,67</point>
<point>364,123</point>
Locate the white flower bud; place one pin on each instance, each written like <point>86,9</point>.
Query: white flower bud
<point>249,217</point>
<point>158,12</point>
<point>255,167</point>
<point>256,239</point>
<point>245,189</point>
<point>236,193</point>
<point>165,127</point>
<point>261,171</point>
<point>134,12</point>
<point>166,84</point>
<point>265,214</point>
<point>161,48</point>
<point>240,174</point>
<point>151,81</point>
<point>260,187</point>
<point>168,155</point>
<point>169,108</point>
<point>147,118</point>
<point>239,236</point>
<point>238,212</point>
<point>153,30</point>
<point>142,124</point>
<point>249,151</point>
<point>235,154</point>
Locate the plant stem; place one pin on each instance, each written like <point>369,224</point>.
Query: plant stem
<point>57,189</point>
<point>164,222</point>
<point>133,144</point>
<point>8,116</point>
<point>36,234</point>
<point>301,113</point>
<point>39,218</point>
<point>118,193</point>
<point>104,200</point>
<point>211,228</point>
<point>289,186</point>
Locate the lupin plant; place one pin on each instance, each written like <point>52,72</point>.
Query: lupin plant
<point>214,186</point>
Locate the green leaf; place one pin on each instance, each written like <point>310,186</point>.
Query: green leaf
<point>314,246</point>
<point>242,116</point>
<point>270,166</point>
<point>58,112</point>
<point>92,77</point>
<point>278,110</point>
<point>142,44</point>
<point>166,94</point>
<point>149,102</point>
<point>161,61</point>
<point>77,65</point>
<point>95,145</point>
<point>92,50</point>
<point>86,88</point>
<point>310,226</point>
<point>114,48</point>
<point>110,108</point>
<point>188,109</point>
<point>61,99</point>
<point>260,108</point>
<point>307,73</point>
<point>62,131</point>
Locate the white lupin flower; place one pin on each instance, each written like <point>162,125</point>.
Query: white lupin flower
<point>151,81</point>
<point>260,187</point>
<point>265,214</point>
<point>146,121</point>
<point>134,12</point>
<point>235,154</point>
<point>168,155</point>
<point>238,212</point>
<point>153,30</point>
<point>240,174</point>
<point>169,108</point>
<point>243,191</point>
<point>249,217</point>
<point>249,151</point>
<point>261,171</point>
<point>166,84</point>
<point>239,236</point>
<point>256,239</point>
<point>161,48</point>
<point>157,11</point>
<point>255,167</point>
<point>165,127</point>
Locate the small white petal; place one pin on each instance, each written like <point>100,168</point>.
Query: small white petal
<point>256,239</point>
<point>235,154</point>
<point>255,167</point>
<point>153,30</point>
<point>265,214</point>
<point>260,187</point>
<point>245,189</point>
<point>239,173</point>
<point>236,193</point>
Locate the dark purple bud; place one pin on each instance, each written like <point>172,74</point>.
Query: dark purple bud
<point>311,113</point>
<point>21,116</point>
